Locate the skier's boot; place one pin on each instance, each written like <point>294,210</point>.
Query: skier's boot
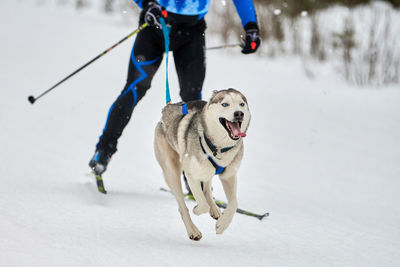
<point>99,161</point>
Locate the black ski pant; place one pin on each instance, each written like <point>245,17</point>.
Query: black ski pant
<point>187,41</point>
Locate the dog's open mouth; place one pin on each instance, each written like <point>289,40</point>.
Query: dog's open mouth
<point>233,128</point>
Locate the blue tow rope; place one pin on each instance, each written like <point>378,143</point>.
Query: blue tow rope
<point>166,30</point>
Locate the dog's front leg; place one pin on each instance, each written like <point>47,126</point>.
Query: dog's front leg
<point>229,185</point>
<point>202,205</point>
<point>214,210</point>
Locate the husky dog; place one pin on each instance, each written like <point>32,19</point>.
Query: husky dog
<point>203,139</point>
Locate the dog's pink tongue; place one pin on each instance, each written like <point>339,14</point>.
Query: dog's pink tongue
<point>236,130</point>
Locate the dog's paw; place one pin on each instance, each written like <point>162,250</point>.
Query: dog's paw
<point>200,209</point>
<point>194,233</point>
<point>223,223</point>
<point>195,236</point>
<point>215,212</point>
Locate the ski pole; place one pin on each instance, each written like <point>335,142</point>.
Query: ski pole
<point>222,46</point>
<point>32,99</point>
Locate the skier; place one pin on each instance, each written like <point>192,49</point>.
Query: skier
<point>187,41</point>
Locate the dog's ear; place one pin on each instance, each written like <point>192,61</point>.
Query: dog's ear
<point>214,92</point>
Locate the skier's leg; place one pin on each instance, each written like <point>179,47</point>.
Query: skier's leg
<point>145,59</point>
<point>190,62</point>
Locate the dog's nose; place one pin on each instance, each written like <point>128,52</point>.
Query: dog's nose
<point>238,115</point>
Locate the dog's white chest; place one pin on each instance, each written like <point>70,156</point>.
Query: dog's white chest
<point>201,168</point>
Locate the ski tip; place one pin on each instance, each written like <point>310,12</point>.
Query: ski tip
<point>99,183</point>
<point>102,190</point>
<point>100,187</point>
<point>263,216</point>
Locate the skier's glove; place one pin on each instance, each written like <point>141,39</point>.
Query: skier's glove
<point>151,14</point>
<point>252,40</point>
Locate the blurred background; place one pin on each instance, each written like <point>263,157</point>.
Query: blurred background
<point>358,38</point>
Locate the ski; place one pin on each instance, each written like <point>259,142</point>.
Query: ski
<point>223,205</point>
<point>99,183</point>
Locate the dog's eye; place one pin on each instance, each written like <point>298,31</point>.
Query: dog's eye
<point>225,105</point>
<point>242,104</point>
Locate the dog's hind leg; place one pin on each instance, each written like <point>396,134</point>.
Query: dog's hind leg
<point>214,210</point>
<point>229,183</point>
<point>171,167</point>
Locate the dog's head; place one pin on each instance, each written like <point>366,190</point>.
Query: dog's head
<point>227,115</point>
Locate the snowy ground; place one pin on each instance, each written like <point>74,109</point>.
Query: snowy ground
<point>321,157</point>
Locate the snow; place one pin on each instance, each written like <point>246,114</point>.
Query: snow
<point>322,157</point>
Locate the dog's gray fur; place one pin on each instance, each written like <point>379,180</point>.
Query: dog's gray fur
<point>177,148</point>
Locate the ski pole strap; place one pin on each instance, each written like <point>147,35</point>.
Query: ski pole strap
<point>166,30</point>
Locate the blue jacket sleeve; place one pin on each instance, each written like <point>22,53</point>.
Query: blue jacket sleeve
<point>246,11</point>
<point>140,3</point>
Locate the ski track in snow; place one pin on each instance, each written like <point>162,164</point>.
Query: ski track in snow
<point>321,157</point>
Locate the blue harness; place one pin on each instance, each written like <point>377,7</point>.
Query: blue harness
<point>218,169</point>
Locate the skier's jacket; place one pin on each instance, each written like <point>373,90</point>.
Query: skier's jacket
<point>245,8</point>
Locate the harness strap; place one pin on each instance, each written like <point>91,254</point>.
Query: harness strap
<point>184,109</point>
<point>218,169</point>
<point>214,149</point>
<point>166,30</point>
